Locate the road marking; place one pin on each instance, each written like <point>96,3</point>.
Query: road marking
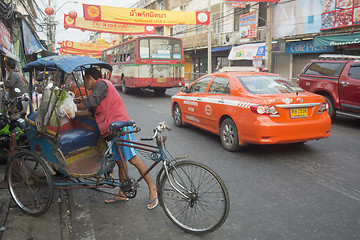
<point>347,191</point>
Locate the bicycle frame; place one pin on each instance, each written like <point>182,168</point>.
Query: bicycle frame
<point>158,153</point>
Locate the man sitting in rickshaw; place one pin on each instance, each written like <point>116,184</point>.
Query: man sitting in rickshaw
<point>101,102</point>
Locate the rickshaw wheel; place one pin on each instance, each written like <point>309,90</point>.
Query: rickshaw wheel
<point>30,182</point>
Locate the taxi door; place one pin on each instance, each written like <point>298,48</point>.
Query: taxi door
<point>349,89</point>
<point>193,101</point>
<point>214,102</point>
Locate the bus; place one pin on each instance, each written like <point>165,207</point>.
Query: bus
<point>152,62</point>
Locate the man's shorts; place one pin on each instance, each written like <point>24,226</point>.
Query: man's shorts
<point>127,152</point>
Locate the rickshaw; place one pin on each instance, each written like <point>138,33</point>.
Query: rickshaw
<point>192,195</point>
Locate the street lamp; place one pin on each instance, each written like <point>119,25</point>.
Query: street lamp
<point>50,31</point>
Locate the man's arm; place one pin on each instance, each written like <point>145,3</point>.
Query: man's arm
<point>83,113</point>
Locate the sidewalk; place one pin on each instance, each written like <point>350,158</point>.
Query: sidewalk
<point>15,224</point>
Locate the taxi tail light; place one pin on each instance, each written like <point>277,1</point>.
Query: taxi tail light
<point>264,110</point>
<point>324,106</point>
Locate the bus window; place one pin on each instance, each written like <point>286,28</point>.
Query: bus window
<point>144,48</point>
<point>130,52</point>
<point>162,48</point>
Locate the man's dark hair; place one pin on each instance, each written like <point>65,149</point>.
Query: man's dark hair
<point>93,72</point>
<point>11,63</point>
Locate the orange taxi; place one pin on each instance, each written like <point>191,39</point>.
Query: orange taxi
<point>249,107</point>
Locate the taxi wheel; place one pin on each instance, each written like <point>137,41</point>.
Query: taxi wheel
<point>229,135</point>
<point>177,115</point>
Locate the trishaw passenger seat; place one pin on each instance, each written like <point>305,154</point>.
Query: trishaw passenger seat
<point>118,125</point>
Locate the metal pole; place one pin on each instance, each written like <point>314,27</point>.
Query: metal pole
<point>209,39</point>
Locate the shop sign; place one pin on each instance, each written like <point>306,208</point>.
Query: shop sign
<point>305,47</point>
<point>31,43</point>
<point>247,25</point>
<point>247,51</point>
<point>340,13</point>
<point>144,16</point>
<point>6,42</point>
<point>337,40</point>
<point>257,61</point>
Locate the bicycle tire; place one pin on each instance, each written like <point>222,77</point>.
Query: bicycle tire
<point>207,204</point>
<point>30,183</point>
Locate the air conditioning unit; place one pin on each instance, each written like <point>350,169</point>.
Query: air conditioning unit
<point>228,39</point>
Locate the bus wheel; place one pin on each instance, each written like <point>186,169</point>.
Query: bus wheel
<point>124,89</point>
<point>159,91</point>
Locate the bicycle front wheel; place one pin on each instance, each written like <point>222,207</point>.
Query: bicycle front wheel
<point>194,197</point>
<point>30,183</point>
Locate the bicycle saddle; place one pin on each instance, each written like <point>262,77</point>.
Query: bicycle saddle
<point>118,125</point>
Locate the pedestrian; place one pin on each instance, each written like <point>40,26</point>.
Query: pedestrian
<point>102,102</point>
<point>13,81</point>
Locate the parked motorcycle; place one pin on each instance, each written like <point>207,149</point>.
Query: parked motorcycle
<point>15,126</point>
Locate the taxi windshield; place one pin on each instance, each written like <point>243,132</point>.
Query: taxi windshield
<point>268,84</point>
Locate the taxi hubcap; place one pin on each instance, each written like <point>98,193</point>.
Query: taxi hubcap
<point>228,134</point>
<point>177,115</point>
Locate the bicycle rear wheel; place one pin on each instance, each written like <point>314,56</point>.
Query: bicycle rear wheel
<point>202,203</point>
<point>30,183</point>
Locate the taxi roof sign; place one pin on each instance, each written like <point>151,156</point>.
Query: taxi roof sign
<point>239,69</point>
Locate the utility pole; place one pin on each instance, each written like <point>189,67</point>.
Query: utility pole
<point>209,39</point>
<point>49,38</point>
<point>269,35</point>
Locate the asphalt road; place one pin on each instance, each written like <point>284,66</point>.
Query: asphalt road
<point>294,191</point>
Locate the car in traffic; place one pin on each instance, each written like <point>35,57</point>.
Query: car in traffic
<point>250,107</point>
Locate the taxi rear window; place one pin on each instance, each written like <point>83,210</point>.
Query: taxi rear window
<point>268,84</point>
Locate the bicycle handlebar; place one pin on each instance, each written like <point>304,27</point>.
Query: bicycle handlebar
<point>162,126</point>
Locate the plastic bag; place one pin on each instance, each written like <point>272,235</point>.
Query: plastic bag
<point>68,107</point>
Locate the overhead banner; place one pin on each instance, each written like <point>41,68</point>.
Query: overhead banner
<point>85,46</point>
<point>275,1</point>
<point>247,51</point>
<point>144,16</point>
<point>106,27</point>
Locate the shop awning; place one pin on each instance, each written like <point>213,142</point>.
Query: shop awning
<point>337,40</point>
<point>218,49</point>
<point>247,51</point>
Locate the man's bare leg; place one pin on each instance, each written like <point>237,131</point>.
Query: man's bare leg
<point>141,167</point>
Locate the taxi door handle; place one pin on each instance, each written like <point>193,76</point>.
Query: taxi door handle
<point>199,99</point>
<point>221,101</point>
<point>345,84</point>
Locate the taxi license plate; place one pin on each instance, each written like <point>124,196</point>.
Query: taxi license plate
<point>161,80</point>
<point>298,113</point>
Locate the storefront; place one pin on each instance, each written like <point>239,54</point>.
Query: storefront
<point>300,53</point>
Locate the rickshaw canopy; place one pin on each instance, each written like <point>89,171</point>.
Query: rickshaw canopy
<point>66,63</point>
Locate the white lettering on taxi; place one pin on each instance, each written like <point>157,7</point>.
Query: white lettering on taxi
<point>192,103</point>
<point>191,109</point>
<point>191,118</point>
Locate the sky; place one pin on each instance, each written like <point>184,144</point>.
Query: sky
<point>62,7</point>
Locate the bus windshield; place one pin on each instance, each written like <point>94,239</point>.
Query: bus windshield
<point>160,48</point>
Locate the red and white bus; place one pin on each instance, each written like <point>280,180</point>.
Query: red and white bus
<point>153,62</point>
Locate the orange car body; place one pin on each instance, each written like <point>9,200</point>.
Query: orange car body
<point>296,115</point>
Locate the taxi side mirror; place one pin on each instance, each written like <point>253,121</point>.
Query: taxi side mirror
<point>184,89</point>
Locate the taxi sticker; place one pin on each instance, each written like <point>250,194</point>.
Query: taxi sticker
<point>208,110</point>
<point>191,109</point>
